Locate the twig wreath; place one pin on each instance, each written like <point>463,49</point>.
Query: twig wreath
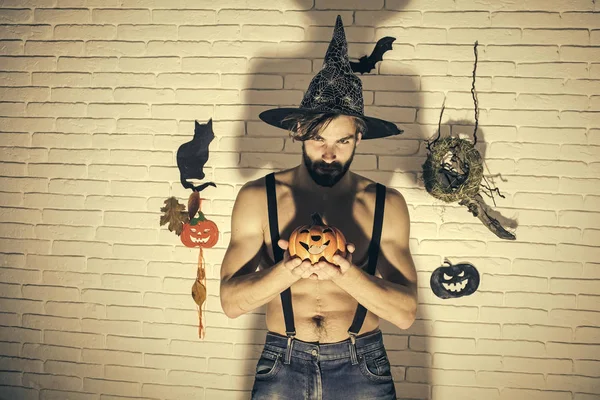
<point>453,171</point>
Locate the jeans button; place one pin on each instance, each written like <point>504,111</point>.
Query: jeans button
<point>314,352</point>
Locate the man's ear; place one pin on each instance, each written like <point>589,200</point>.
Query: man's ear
<point>358,137</point>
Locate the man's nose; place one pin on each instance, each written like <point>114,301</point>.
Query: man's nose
<point>329,153</point>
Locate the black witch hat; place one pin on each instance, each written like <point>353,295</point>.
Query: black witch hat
<point>335,89</point>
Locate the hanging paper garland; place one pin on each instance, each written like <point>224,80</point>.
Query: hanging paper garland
<point>193,228</point>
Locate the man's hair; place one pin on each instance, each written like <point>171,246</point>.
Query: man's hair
<point>307,126</point>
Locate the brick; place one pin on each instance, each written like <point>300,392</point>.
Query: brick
<point>136,373</point>
<point>175,362</point>
<point>476,330</point>
<point>575,286</point>
<point>25,31</point>
<point>540,300</point>
<point>553,70</point>
<point>583,86</point>
<point>17,366</point>
<point>182,111</point>
<point>81,186</point>
<point>211,33</point>
<point>523,18</point>
<point>555,36</point>
<point>587,153</point>
<point>551,101</point>
<point>108,387</point>
<point>48,109</point>
<point>118,110</point>
<point>101,356</point>
<point>464,392</point>
<point>65,15</point>
<point>18,275</point>
<point>22,305</point>
<point>476,362</point>
<point>552,135</point>
<point>61,79</point>
<point>28,63</point>
<point>283,66</point>
<point>587,367</point>
<point>78,369</point>
<point>528,85</point>
<point>460,346</point>
<point>176,392</point>
<point>486,35</point>
<point>118,16</point>
<point>146,32</point>
<point>24,334</point>
<point>522,53</point>
<point>38,292</point>
<point>177,48</point>
<point>54,48</point>
<point>15,79</point>
<point>86,32</point>
<point>78,339</point>
<point>587,334</point>
<point>201,96</point>
<point>591,270</point>
<point>51,381</point>
<point>510,315</point>
<point>579,53</point>
<point>12,47</point>
<point>511,393</point>
<point>87,64</point>
<point>49,352</point>
<point>541,250</point>
<point>84,125</point>
<point>114,48</point>
<point>572,318</point>
<point>184,80</point>
<point>489,378</point>
<point>135,313</point>
<point>568,382</point>
<point>108,297</point>
<point>49,394</point>
<point>136,343</point>
<point>535,332</point>
<point>12,109</point>
<point>49,170</point>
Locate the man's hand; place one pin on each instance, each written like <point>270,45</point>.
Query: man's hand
<point>324,270</point>
<point>298,267</point>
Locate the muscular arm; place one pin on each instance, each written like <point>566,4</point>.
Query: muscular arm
<point>243,289</point>
<point>394,296</point>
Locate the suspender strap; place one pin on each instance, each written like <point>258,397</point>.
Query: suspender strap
<point>361,311</point>
<point>286,295</point>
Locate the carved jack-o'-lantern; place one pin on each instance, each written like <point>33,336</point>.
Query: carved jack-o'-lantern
<point>200,232</point>
<point>316,241</point>
<point>454,280</point>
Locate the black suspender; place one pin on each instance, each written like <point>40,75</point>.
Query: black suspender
<point>373,252</point>
<point>286,295</point>
<point>361,311</point>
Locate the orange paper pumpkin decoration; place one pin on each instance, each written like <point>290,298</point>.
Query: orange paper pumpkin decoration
<point>316,241</point>
<point>200,232</point>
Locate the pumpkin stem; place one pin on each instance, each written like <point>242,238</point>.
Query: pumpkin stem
<point>317,220</point>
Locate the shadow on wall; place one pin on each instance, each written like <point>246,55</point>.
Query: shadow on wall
<point>391,92</point>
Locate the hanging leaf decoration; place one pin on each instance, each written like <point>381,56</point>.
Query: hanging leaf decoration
<point>174,214</point>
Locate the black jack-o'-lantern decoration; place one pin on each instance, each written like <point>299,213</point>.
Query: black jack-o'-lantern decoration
<point>454,280</point>
<point>316,241</point>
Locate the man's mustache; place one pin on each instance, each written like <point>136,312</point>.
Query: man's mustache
<point>334,166</point>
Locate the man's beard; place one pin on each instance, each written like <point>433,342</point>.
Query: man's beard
<point>326,174</point>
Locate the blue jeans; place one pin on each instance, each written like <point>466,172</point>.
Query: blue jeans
<point>324,371</point>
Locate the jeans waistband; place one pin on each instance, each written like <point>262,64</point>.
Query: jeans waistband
<point>326,351</point>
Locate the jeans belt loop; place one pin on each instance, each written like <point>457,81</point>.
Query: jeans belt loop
<point>288,350</point>
<point>352,345</point>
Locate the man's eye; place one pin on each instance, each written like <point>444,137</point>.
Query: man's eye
<point>344,141</point>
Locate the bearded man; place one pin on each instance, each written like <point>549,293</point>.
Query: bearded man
<point>323,339</point>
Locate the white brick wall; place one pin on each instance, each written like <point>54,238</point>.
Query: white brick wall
<point>97,96</point>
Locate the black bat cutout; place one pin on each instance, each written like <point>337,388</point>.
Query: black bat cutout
<point>366,64</point>
<point>192,156</point>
